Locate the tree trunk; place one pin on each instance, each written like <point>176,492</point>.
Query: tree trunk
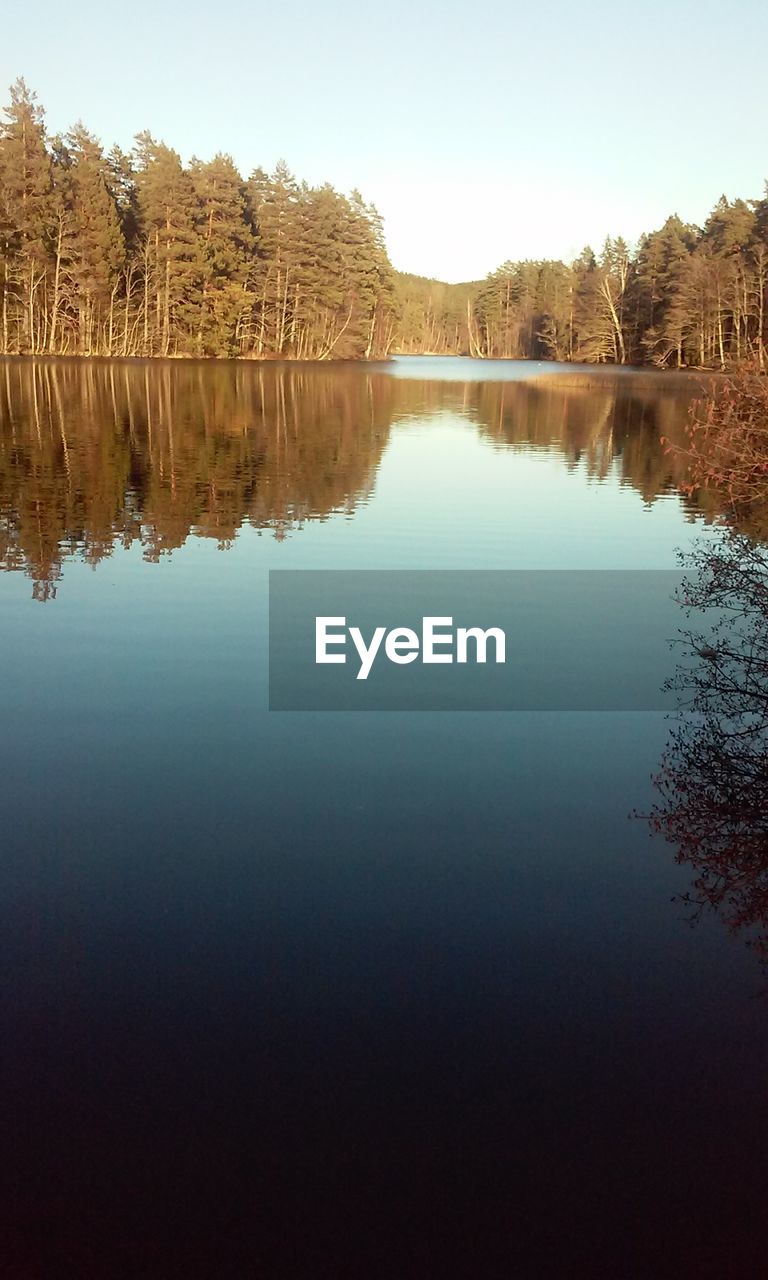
<point>56,287</point>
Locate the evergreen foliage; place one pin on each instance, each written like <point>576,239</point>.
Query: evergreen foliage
<point>141,255</point>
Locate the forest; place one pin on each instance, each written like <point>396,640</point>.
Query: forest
<point>137,254</point>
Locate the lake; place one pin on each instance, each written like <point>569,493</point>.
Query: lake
<point>377,995</point>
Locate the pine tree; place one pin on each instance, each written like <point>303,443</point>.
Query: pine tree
<point>226,251</point>
<point>660,272</point>
<point>274,202</point>
<point>95,251</point>
<point>170,250</point>
<point>555,310</point>
<point>27,222</point>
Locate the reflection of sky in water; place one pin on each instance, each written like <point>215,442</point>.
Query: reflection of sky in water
<point>444,498</point>
<point>469,369</point>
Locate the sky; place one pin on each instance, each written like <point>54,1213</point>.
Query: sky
<point>482,133</point>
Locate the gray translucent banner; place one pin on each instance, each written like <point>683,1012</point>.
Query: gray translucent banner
<point>590,640</point>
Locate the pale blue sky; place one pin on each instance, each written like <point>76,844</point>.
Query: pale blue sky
<point>488,132</point>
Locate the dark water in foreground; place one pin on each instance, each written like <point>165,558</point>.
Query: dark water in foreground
<point>375,996</point>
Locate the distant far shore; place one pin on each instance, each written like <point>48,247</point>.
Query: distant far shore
<point>540,367</point>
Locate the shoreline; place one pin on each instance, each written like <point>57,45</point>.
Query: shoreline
<point>579,372</point>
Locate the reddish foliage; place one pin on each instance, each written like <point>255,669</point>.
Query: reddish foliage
<point>727,448</point>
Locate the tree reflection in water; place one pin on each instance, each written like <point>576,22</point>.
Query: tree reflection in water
<point>100,454</point>
<point>713,782</point>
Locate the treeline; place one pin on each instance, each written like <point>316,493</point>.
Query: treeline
<point>139,255</point>
<point>432,316</point>
<point>687,296</point>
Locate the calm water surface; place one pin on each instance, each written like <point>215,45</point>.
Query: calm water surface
<point>375,996</point>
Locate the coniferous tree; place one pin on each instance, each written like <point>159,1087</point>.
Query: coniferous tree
<point>660,271</point>
<point>275,202</point>
<point>90,254</point>
<point>171,261</point>
<point>27,222</point>
<point>226,248</point>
